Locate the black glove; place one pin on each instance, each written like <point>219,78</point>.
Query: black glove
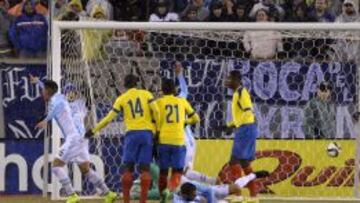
<point>89,134</point>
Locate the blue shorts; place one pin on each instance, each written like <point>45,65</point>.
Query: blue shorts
<point>244,146</point>
<point>171,156</point>
<point>138,146</point>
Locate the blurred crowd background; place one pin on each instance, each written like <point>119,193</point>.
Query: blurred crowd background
<point>24,23</point>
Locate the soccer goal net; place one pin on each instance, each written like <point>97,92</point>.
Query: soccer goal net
<point>303,80</point>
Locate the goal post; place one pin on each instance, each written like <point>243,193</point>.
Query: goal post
<point>95,55</point>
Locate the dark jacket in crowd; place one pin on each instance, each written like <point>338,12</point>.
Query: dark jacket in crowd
<point>29,32</point>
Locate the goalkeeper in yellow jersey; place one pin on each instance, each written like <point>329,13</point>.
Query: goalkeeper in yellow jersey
<point>243,150</point>
<point>139,112</point>
<point>175,113</point>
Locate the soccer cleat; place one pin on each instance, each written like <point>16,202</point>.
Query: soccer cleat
<point>165,195</point>
<point>110,197</point>
<point>261,174</point>
<point>74,198</point>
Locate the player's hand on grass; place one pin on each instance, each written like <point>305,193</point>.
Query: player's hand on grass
<point>41,125</point>
<point>89,134</point>
<point>33,79</point>
<point>178,68</point>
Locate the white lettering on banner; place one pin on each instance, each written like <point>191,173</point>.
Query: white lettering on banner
<point>36,172</point>
<point>284,89</point>
<point>14,80</point>
<point>17,160</point>
<point>264,120</point>
<point>265,71</point>
<point>291,121</point>
<point>21,130</point>
<point>344,124</point>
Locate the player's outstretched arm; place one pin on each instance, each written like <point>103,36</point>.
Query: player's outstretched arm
<point>180,76</point>
<point>102,124</point>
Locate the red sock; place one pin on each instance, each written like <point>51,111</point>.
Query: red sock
<point>127,181</point>
<point>235,170</point>
<point>162,182</point>
<point>145,182</point>
<point>174,180</point>
<point>252,185</point>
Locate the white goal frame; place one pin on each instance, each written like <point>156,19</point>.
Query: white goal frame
<point>55,70</point>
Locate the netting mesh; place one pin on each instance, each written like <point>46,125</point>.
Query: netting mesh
<point>283,71</point>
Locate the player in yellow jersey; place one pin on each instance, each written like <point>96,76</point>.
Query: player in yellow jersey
<point>175,113</point>
<point>139,112</point>
<point>243,150</point>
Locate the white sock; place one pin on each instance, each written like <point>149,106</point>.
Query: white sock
<point>64,179</point>
<point>199,177</point>
<point>99,183</point>
<point>243,181</point>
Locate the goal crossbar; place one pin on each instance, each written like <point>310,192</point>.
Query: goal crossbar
<point>205,26</point>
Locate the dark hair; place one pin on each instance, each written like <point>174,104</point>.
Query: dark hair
<point>186,190</point>
<point>51,86</point>
<point>324,86</point>
<point>130,81</point>
<point>168,86</point>
<point>235,75</point>
<point>69,16</point>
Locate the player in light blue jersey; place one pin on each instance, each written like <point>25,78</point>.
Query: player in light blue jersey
<point>190,142</point>
<point>75,147</point>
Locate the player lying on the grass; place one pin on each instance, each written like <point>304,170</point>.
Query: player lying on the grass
<point>175,113</point>
<point>243,120</point>
<point>75,147</point>
<point>139,110</point>
<point>192,191</point>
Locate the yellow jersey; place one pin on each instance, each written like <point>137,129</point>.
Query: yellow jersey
<point>174,112</point>
<point>242,108</point>
<point>138,108</point>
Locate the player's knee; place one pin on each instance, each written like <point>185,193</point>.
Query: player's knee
<point>58,163</point>
<point>84,168</point>
<point>129,166</point>
<point>144,167</point>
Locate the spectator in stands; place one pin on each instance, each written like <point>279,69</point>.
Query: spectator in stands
<point>218,13</point>
<point>105,4</point>
<point>239,14</point>
<point>162,13</point>
<point>28,33</point>
<point>269,5</point>
<point>18,8</point>
<point>201,10</point>
<point>350,12</point>
<point>319,114</point>
<point>5,21</point>
<point>263,44</point>
<point>98,12</point>
<point>190,15</point>
<point>77,7</point>
<point>321,12</point>
<point>347,47</point>
<point>296,11</point>
<point>134,10</point>
<point>59,8</point>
